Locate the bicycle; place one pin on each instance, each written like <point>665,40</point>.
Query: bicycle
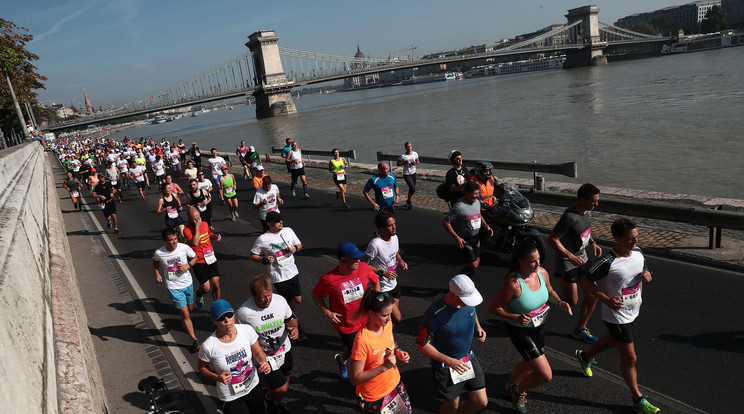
<point>162,400</point>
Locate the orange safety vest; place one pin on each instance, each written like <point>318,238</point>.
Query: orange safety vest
<point>486,190</point>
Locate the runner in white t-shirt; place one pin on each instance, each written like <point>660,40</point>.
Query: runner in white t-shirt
<point>383,254</point>
<point>266,200</point>
<point>272,319</point>
<point>409,160</point>
<point>172,263</point>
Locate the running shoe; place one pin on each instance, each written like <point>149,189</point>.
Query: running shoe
<point>199,301</point>
<point>346,205</point>
<point>409,205</point>
<point>586,367</point>
<point>237,215</point>
<point>519,399</point>
<point>293,193</point>
<point>74,205</point>
<point>645,407</point>
<point>108,224</point>
<point>307,196</point>
<point>233,218</point>
<point>116,230</point>
<point>343,367</point>
<point>584,335</point>
<point>194,346</point>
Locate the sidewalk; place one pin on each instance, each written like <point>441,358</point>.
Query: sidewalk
<point>676,240</point>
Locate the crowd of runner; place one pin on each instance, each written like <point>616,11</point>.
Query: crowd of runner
<point>250,353</point>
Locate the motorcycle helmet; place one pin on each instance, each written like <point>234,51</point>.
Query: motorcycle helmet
<point>483,170</point>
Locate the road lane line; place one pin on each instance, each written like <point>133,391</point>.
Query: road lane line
<point>181,360</point>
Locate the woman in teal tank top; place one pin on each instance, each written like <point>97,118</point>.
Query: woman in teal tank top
<point>522,302</point>
<point>228,187</point>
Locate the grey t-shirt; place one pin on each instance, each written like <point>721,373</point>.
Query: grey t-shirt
<point>574,230</point>
<point>465,218</point>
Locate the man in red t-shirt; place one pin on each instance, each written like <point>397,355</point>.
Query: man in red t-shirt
<point>198,236</point>
<point>344,286</point>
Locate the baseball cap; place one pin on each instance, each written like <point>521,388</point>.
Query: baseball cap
<point>273,217</point>
<point>251,148</point>
<point>288,140</point>
<point>92,170</point>
<point>193,143</point>
<point>464,288</point>
<point>224,167</point>
<point>259,168</point>
<point>220,307</point>
<point>349,250</point>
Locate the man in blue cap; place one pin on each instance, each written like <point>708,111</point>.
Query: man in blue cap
<point>345,286</point>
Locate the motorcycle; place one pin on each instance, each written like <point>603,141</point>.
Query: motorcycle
<point>510,220</point>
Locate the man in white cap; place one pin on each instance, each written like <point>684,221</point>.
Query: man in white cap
<point>445,336</point>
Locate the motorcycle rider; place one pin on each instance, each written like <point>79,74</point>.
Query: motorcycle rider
<point>487,182</point>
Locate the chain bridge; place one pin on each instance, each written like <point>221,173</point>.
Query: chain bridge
<point>269,72</point>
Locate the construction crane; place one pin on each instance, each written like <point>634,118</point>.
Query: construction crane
<point>411,49</point>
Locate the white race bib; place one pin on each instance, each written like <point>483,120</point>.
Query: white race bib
<point>469,374</point>
<point>174,273</point>
<point>201,207</point>
<point>475,221</point>
<point>352,290</point>
<point>393,403</point>
<point>340,176</point>
<point>209,257</point>
<point>139,178</point>
<point>538,315</point>
<point>632,296</point>
<point>113,182</point>
<point>240,382</point>
<point>172,213</point>
<point>75,194</point>
<point>276,360</point>
<point>387,192</point>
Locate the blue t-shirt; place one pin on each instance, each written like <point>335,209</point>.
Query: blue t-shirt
<point>385,189</point>
<point>449,329</point>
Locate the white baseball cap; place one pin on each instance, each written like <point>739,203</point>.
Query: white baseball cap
<point>464,288</point>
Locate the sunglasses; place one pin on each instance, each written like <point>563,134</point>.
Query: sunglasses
<point>382,296</point>
<point>225,316</point>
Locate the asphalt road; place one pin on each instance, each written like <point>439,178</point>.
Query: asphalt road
<point>689,337</point>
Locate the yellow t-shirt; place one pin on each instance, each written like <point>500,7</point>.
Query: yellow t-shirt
<point>370,348</point>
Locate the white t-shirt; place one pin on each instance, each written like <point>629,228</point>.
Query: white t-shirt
<point>169,262</point>
<point>159,167</point>
<point>277,245</point>
<point>204,185</point>
<point>139,173</point>
<point>273,200</point>
<point>409,168</point>
<point>296,160</point>
<point>382,255</point>
<point>268,323</point>
<point>216,165</point>
<point>620,276</point>
<point>235,358</point>
<point>123,165</point>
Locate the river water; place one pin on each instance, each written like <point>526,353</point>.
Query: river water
<point>668,124</point>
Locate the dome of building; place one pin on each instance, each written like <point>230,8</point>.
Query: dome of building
<point>359,54</point>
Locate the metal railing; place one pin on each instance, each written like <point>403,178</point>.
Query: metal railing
<point>715,219</point>
<point>350,154</point>
<point>569,169</point>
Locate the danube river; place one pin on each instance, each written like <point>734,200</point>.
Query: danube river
<point>669,124</point>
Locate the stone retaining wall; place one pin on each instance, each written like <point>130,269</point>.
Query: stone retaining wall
<point>48,363</point>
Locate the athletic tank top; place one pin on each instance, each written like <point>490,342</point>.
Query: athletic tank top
<point>199,199</point>
<point>529,300</point>
<point>338,166</point>
<point>228,186</point>
<point>73,185</point>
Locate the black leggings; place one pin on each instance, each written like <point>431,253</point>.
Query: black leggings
<point>528,341</point>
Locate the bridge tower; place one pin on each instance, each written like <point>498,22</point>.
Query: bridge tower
<point>588,34</point>
<point>273,90</point>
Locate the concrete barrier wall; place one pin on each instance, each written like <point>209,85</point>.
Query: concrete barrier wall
<point>48,364</point>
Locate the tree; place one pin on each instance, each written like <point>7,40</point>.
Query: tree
<point>645,28</point>
<point>668,25</point>
<point>15,65</point>
<point>715,20</point>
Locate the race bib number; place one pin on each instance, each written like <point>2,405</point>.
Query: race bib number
<point>393,403</point>
<point>75,194</point>
<point>412,168</point>
<point>241,381</point>
<point>475,221</point>
<point>272,208</point>
<point>352,290</point>
<point>172,213</point>
<point>201,207</point>
<point>469,374</point>
<point>276,359</point>
<point>632,296</point>
<point>585,237</point>
<point>283,257</point>
<point>174,273</point>
<point>113,182</point>
<point>139,178</point>
<point>209,257</point>
<point>229,189</point>
<point>460,179</point>
<point>340,176</point>
<point>538,315</point>
<point>197,153</point>
<point>387,192</point>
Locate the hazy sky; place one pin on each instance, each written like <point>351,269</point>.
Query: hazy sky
<point>122,50</point>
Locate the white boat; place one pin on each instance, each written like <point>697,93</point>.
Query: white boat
<point>521,66</point>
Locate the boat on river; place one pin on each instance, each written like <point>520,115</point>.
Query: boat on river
<point>434,77</point>
<point>520,66</point>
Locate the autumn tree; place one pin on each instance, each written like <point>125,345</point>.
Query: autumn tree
<point>16,64</point>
